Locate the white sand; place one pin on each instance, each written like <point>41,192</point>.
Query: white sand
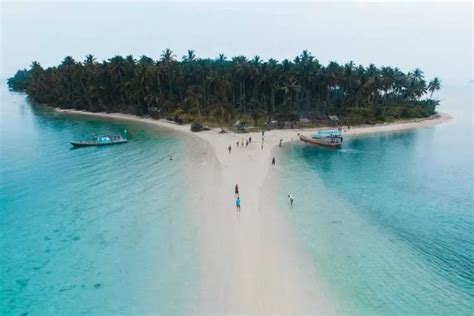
<point>251,264</point>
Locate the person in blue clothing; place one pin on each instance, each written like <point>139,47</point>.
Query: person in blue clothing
<point>237,204</point>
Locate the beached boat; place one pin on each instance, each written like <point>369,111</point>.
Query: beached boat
<point>330,138</point>
<point>100,141</point>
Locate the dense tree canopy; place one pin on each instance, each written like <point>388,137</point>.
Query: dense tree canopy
<point>223,89</point>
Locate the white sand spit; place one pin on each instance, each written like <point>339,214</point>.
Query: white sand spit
<point>250,262</point>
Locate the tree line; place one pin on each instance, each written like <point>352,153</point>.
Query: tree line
<point>223,89</point>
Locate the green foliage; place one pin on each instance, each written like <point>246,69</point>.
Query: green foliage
<point>225,89</point>
<point>182,117</point>
<point>287,116</point>
<point>361,115</point>
<point>19,82</point>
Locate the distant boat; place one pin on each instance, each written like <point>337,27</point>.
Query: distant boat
<point>100,141</point>
<point>329,138</point>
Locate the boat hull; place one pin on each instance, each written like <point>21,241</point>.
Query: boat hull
<point>320,142</point>
<point>91,144</point>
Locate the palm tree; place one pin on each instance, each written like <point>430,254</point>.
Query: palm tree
<point>145,60</point>
<point>167,55</point>
<point>241,72</point>
<point>273,81</point>
<point>433,86</point>
<point>255,77</point>
<point>190,56</point>
<point>194,95</point>
<point>90,60</point>
<point>222,88</point>
<point>167,58</point>
<point>35,84</point>
<point>221,58</point>
<point>68,61</point>
<point>290,87</point>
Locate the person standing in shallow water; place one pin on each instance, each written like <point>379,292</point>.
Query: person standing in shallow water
<point>273,161</point>
<point>291,199</point>
<point>237,203</point>
<point>230,148</point>
<point>236,190</point>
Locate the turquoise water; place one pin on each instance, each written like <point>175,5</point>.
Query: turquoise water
<point>91,230</point>
<point>389,219</point>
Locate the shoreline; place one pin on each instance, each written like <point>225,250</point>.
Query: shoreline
<point>401,125</point>
<point>250,261</point>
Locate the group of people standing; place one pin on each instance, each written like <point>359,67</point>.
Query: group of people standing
<point>243,142</point>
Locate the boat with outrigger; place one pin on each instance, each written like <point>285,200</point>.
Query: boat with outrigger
<point>101,140</point>
<point>329,138</point>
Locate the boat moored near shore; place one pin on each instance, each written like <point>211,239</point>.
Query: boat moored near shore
<point>329,138</point>
<point>100,141</point>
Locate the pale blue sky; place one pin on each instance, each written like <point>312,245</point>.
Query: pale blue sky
<point>436,37</point>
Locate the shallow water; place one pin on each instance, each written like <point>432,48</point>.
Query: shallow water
<point>388,220</point>
<point>92,230</point>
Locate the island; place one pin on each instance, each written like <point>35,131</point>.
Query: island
<point>222,91</point>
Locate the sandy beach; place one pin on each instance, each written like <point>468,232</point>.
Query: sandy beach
<point>251,264</point>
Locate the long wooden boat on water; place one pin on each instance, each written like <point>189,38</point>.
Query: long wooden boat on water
<point>100,141</point>
<point>328,138</point>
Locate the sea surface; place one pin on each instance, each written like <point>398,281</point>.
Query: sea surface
<point>92,230</point>
<point>388,220</point>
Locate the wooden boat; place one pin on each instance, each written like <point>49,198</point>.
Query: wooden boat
<point>329,138</point>
<point>100,141</point>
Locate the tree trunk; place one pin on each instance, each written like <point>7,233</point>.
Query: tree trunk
<point>273,99</point>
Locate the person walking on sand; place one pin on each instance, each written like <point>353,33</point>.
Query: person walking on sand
<point>281,140</point>
<point>291,199</point>
<point>237,143</point>
<point>236,190</point>
<point>273,161</point>
<point>237,204</point>
<point>230,148</point>
<point>250,140</point>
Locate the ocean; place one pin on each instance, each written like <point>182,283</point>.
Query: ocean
<point>92,230</point>
<point>388,220</point>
